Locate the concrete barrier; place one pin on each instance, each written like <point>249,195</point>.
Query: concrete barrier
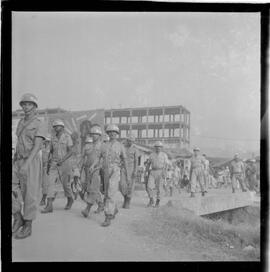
<point>213,203</point>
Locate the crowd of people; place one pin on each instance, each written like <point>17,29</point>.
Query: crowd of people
<point>96,173</point>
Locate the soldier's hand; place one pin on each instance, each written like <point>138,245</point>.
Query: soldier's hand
<point>59,163</point>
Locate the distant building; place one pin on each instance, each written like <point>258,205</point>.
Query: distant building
<point>168,124</point>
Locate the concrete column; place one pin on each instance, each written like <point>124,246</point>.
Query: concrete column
<point>130,114</point>
<point>111,117</point>
<point>163,120</point>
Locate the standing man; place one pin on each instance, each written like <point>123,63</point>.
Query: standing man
<point>197,172</point>
<point>126,188</point>
<point>27,167</point>
<point>251,173</point>
<point>92,166</point>
<point>114,156</point>
<point>206,172</point>
<point>45,177</point>
<point>237,173</point>
<point>60,165</point>
<point>158,162</point>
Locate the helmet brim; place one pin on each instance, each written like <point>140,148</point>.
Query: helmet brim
<point>21,102</point>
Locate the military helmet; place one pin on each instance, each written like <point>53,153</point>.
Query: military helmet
<point>95,130</point>
<point>28,98</point>
<point>158,144</point>
<point>88,140</point>
<point>58,122</point>
<point>112,128</point>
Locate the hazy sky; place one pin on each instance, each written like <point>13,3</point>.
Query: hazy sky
<point>207,62</point>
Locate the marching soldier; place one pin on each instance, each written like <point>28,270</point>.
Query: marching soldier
<point>197,172</point>
<point>114,156</point>
<point>206,172</point>
<point>27,167</point>
<point>59,166</point>
<point>45,156</point>
<point>158,162</point>
<point>127,188</point>
<point>251,174</point>
<point>92,168</point>
<point>237,173</point>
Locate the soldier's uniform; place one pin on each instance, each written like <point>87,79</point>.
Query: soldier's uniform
<point>25,188</point>
<point>45,177</point>
<point>59,149</point>
<point>251,173</point>
<point>113,154</point>
<point>237,172</point>
<point>127,187</point>
<point>206,173</point>
<point>158,163</point>
<point>93,179</point>
<point>197,173</point>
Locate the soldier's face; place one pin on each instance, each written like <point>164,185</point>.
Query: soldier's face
<point>58,128</point>
<point>112,135</point>
<point>158,149</point>
<point>95,137</point>
<point>28,107</point>
<point>196,152</point>
<point>128,143</point>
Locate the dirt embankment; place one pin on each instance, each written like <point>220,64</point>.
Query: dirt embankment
<point>231,236</point>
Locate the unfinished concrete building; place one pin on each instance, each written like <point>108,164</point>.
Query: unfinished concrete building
<point>171,124</point>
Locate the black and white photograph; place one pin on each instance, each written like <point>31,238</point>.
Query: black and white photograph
<point>136,136</point>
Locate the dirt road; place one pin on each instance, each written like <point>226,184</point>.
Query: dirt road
<point>67,236</point>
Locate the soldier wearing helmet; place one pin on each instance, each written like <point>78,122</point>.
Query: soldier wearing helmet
<point>112,158</point>
<point>197,167</point>
<point>92,169</point>
<point>45,157</point>
<point>158,162</point>
<point>27,167</point>
<point>126,188</point>
<point>237,170</point>
<point>60,165</point>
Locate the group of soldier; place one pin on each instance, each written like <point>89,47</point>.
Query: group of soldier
<point>108,165</point>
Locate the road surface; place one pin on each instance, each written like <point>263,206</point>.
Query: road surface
<point>67,236</point>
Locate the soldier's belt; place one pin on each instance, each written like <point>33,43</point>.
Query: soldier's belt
<point>20,157</point>
<point>154,169</point>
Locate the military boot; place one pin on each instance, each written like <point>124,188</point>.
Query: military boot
<point>43,201</point>
<point>86,211</point>
<point>128,203</point>
<point>107,221</point>
<point>69,203</point>
<point>192,195</point>
<point>25,231</point>
<point>125,202</point>
<point>18,222</point>
<point>151,202</point>
<point>100,208</point>
<point>157,203</point>
<point>115,213</point>
<point>49,207</point>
